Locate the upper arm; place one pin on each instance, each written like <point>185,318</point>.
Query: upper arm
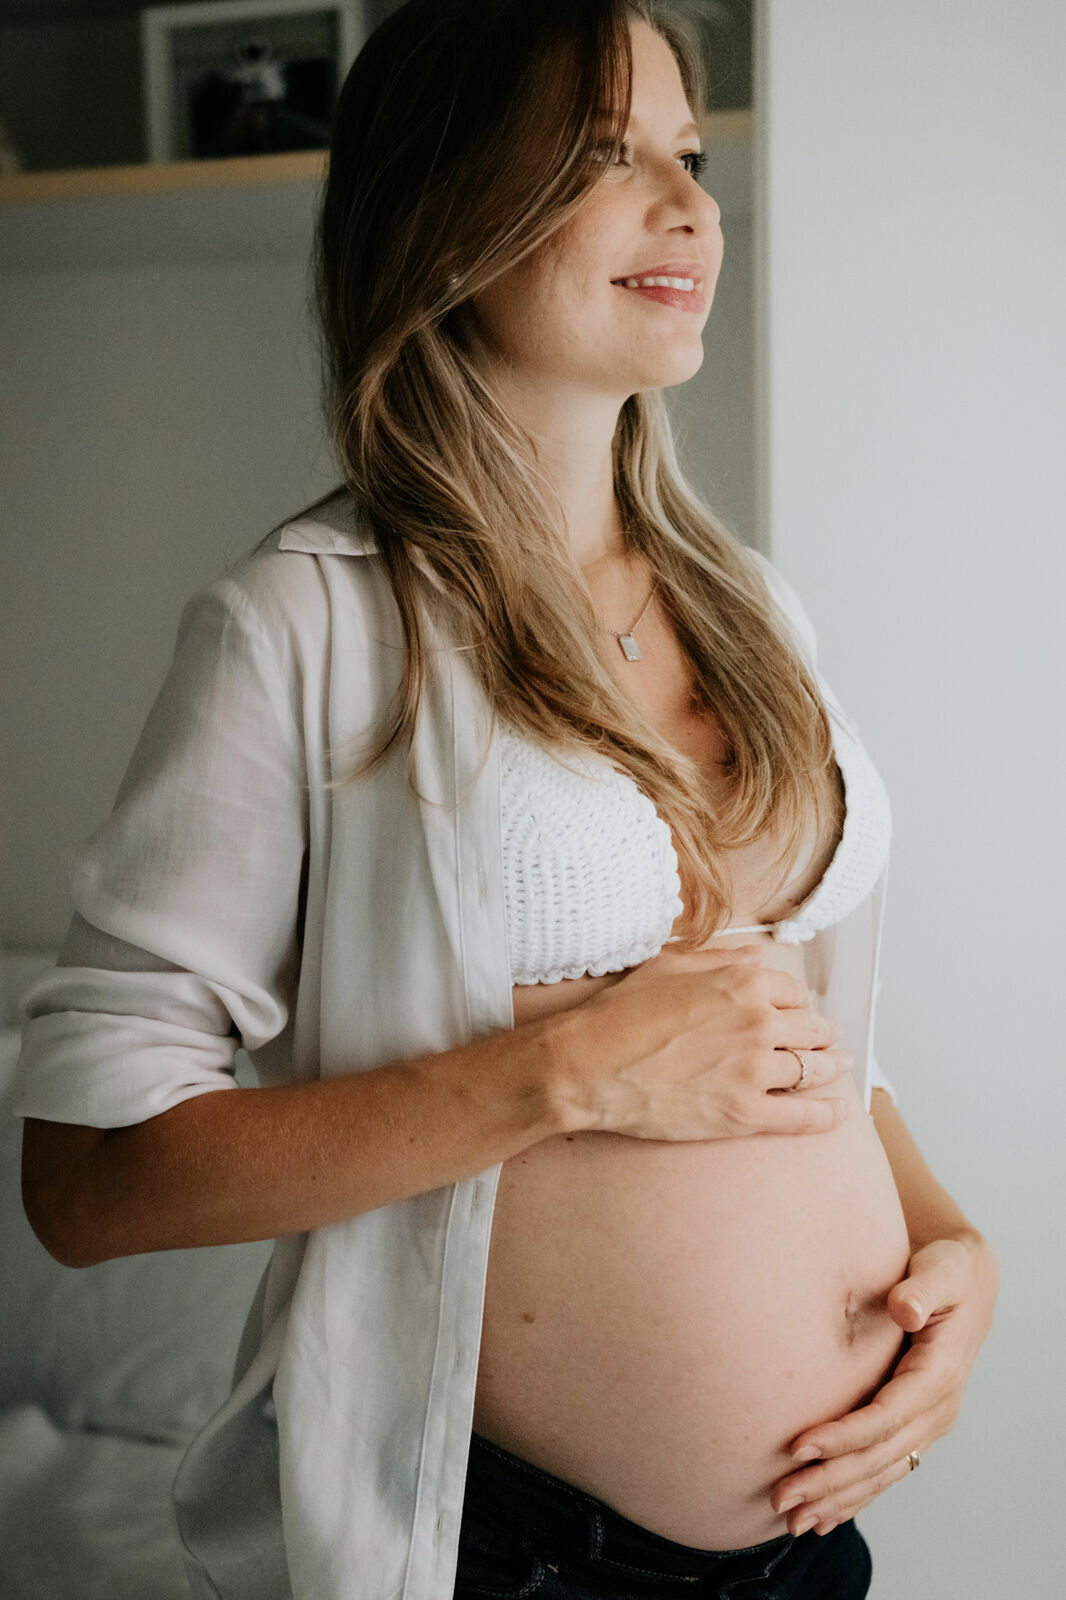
<point>185,937</point>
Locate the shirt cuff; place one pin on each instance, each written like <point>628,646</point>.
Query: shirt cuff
<point>109,1049</point>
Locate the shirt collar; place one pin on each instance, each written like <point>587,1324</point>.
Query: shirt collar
<point>331,527</point>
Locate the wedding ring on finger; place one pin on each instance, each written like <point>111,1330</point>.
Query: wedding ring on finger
<point>804,1074</point>
<point>823,1526</point>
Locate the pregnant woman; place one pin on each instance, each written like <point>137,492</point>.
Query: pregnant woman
<point>497,807</point>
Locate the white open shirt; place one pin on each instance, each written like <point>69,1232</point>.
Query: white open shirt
<point>228,901</point>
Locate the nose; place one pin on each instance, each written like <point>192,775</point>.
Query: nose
<point>699,209</point>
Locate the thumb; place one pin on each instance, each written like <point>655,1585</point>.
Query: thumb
<point>910,1303</point>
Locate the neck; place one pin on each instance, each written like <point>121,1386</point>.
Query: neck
<point>573,433</point>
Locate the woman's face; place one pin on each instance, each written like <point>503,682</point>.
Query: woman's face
<point>562,318</point>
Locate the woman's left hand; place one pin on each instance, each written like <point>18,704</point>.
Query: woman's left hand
<point>945,1303</point>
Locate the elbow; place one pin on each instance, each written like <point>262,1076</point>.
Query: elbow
<point>57,1224</point>
<point>68,1254</point>
<point>57,1196</point>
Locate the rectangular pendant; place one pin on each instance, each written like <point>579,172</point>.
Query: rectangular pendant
<point>630,647</point>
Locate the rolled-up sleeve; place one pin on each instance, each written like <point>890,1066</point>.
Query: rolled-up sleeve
<point>184,944</point>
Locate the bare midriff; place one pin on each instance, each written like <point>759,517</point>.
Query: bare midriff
<point>662,1318</point>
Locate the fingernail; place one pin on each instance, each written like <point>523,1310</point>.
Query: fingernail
<point>810,1452</point>
<point>791,1503</point>
<point>805,1524</point>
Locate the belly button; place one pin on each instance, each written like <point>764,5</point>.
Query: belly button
<point>852,1314</point>
<point>858,1310</point>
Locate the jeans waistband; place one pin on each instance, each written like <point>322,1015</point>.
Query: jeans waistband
<point>577,1522</point>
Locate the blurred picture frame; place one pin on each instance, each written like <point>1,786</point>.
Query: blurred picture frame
<point>245,77</point>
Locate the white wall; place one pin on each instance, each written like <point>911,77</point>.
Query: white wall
<point>155,422</point>
<point>714,412</point>
<point>912,255</point>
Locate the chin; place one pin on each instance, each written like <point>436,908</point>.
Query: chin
<point>665,374</point>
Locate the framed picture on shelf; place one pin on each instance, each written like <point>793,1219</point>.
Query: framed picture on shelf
<point>245,77</point>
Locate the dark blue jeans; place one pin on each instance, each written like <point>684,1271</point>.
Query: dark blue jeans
<point>526,1532</point>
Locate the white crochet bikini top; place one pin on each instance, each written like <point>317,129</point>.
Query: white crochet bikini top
<point>590,871</point>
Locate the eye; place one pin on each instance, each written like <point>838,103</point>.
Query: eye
<point>623,155</point>
<point>697,158</point>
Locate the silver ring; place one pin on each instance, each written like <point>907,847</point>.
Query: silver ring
<point>799,1084</point>
<point>913,1459</point>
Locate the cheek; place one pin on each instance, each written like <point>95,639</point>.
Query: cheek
<point>566,310</point>
<point>562,311</point>
<point>504,311</point>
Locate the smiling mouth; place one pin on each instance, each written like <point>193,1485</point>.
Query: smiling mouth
<point>661,280</point>
<point>681,293</point>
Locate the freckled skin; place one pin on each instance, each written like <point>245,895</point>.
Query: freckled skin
<point>662,1319</point>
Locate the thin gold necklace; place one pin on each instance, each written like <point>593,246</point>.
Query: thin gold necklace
<point>628,645</point>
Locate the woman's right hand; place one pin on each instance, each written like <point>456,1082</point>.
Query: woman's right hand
<point>695,1045</point>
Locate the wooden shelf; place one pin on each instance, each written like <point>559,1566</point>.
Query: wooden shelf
<point>239,172</point>
<point>160,177</point>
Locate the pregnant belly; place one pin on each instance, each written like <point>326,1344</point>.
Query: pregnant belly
<point>661,1319</point>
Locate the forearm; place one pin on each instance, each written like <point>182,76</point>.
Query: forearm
<point>928,1209</point>
<point>243,1164</point>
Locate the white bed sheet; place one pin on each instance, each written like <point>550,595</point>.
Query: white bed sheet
<point>85,1516</point>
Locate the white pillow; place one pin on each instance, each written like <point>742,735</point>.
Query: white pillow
<point>86,1516</point>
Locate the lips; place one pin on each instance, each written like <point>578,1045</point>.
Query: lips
<point>666,269</point>
<point>666,294</point>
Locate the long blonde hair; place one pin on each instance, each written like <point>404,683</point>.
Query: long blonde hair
<point>421,211</point>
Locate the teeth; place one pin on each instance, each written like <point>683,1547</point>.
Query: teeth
<point>660,283</point>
